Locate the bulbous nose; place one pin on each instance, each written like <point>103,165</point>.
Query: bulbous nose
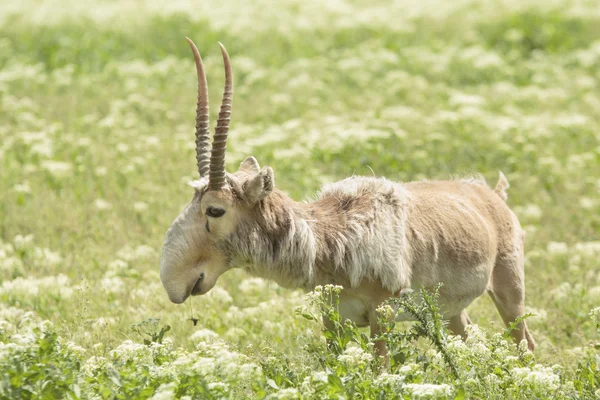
<point>175,288</point>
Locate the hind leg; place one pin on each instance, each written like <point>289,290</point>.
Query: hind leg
<point>458,324</point>
<point>507,290</point>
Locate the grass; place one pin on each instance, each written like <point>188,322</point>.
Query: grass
<point>96,144</point>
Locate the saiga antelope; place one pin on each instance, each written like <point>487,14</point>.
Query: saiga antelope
<point>373,236</point>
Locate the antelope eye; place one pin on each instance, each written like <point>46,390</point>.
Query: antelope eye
<point>214,212</point>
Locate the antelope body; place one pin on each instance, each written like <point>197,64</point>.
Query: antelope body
<point>373,236</point>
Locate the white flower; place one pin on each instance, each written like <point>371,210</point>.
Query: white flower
<point>142,252</point>
<point>218,386</point>
<point>531,212</point>
<point>58,169</point>
<point>140,206</point>
<point>103,322</point>
<point>22,242</point>
<point>101,171</point>
<point>22,188</point>
<point>285,394</point>
<point>251,285</point>
<point>235,334</point>
<point>92,365</point>
<point>539,378</point>
<point>152,141</point>
<point>561,292</point>
<point>220,295</point>
<point>539,313</point>
<point>595,315</point>
<point>166,391</point>
<point>128,350</point>
<point>76,349</point>
<point>588,249</point>
<point>557,248</point>
<point>112,284</point>
<point>418,390</point>
<point>102,204</point>
<point>117,267</point>
<point>205,366</point>
<point>319,376</point>
<point>46,256</point>
<point>249,372</point>
<point>474,334</point>
<point>587,203</point>
<point>31,287</point>
<point>392,380</point>
<point>593,294</point>
<point>203,335</point>
<point>355,356</point>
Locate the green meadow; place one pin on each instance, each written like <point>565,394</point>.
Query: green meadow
<point>97,107</point>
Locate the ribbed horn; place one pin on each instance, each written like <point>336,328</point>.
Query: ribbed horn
<point>216,179</point>
<point>202,117</point>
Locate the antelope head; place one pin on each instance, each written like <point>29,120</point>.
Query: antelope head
<point>194,252</point>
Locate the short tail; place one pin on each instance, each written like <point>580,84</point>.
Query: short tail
<point>501,187</point>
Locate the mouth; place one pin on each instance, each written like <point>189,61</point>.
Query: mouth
<point>196,290</point>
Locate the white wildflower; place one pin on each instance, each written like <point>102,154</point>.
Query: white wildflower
<point>218,386</point>
<point>355,356</point>
<point>285,394</point>
<point>101,171</point>
<point>203,335</point>
<point>249,372</point>
<point>46,256</point>
<point>539,314</point>
<point>593,294</point>
<point>204,366</point>
<point>587,203</point>
<point>93,365</point>
<point>116,268</point>
<point>128,350</point>
<point>531,212</point>
<point>252,285</point>
<point>31,287</point>
<point>319,376</point>
<point>166,391</point>
<point>220,295</point>
<point>235,334</point>
<point>561,292</point>
<point>392,380</point>
<point>112,284</point>
<point>58,169</point>
<point>595,315</point>
<point>75,349</point>
<point>102,204</point>
<point>474,334</point>
<point>418,390</point>
<point>539,377</point>
<point>103,322</point>
<point>152,141</point>
<point>22,187</point>
<point>588,249</point>
<point>23,242</point>
<point>557,248</point>
<point>140,206</point>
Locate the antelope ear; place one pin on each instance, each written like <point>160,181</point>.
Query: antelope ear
<point>260,185</point>
<point>249,166</point>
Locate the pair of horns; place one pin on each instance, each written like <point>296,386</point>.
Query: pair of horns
<point>212,161</point>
